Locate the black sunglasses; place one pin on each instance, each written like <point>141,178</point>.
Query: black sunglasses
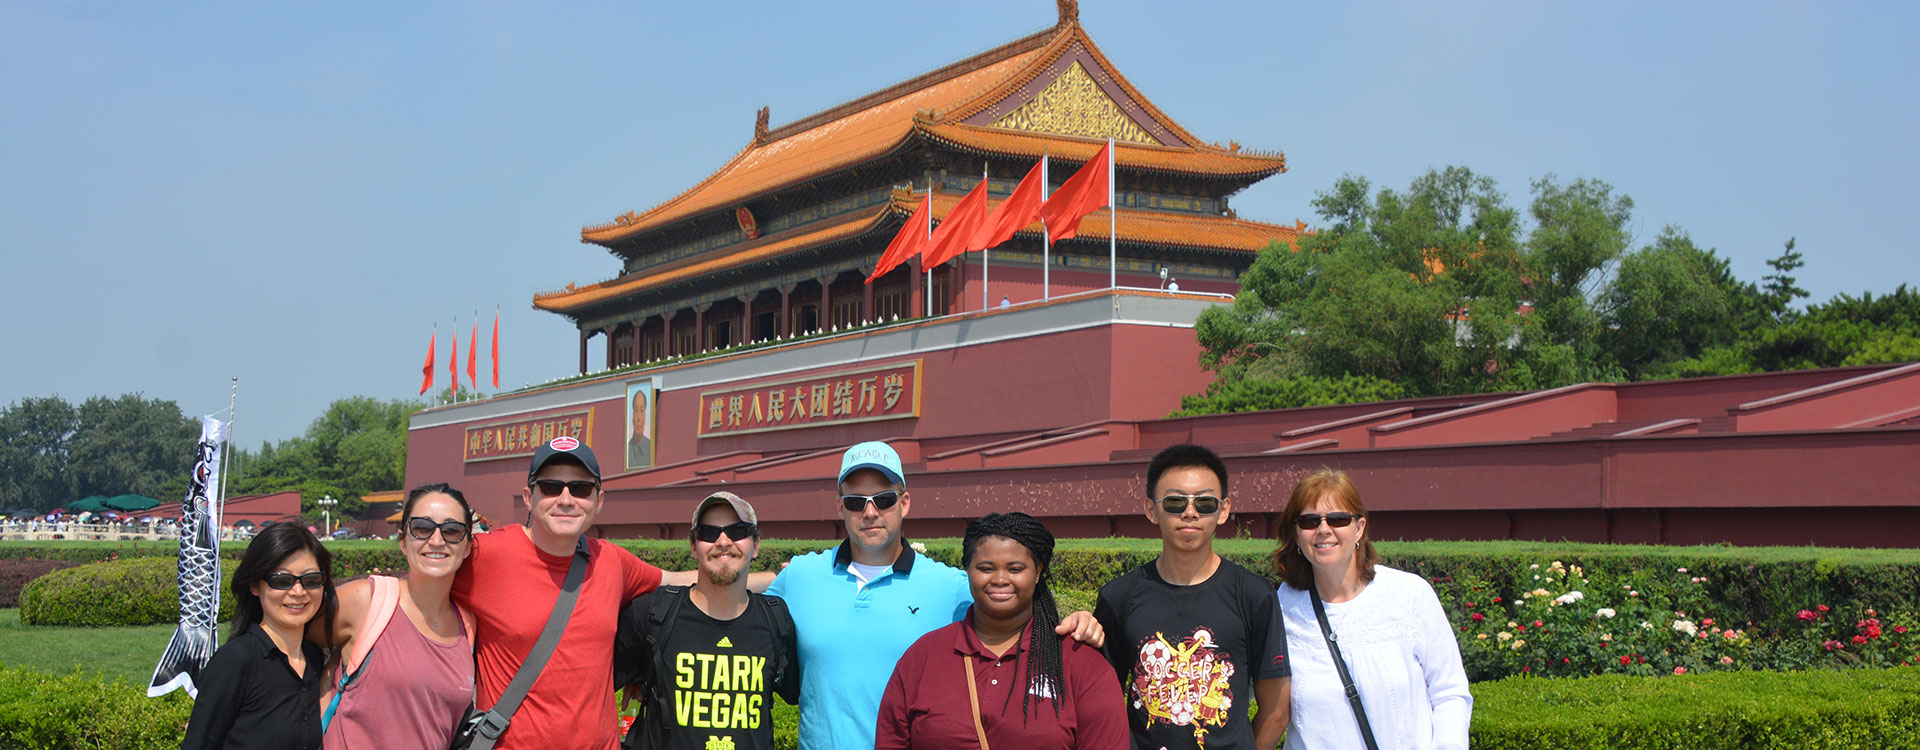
<point>710,533</point>
<point>284,581</point>
<point>421,528</point>
<point>1176,504</point>
<point>553,488</point>
<point>1338,519</point>
<point>881,501</point>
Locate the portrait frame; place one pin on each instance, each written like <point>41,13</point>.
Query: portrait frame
<point>640,446</point>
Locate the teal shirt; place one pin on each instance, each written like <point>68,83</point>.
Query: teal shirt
<point>850,637</point>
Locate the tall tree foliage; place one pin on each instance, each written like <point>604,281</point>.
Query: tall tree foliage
<point>357,446</point>
<point>52,451</point>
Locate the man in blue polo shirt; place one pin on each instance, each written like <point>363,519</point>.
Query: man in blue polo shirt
<point>857,608</point>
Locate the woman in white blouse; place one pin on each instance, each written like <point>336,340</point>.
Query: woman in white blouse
<point>1395,640</point>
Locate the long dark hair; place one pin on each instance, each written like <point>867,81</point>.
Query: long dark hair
<point>272,546</point>
<point>1043,661</point>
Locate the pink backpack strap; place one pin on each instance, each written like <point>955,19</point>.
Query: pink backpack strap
<point>386,599</point>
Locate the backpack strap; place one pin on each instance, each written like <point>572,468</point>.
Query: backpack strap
<point>775,610</point>
<point>385,600</point>
<point>654,631</point>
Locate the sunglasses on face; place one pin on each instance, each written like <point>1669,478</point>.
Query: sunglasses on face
<point>284,581</point>
<point>1338,519</point>
<point>421,528</point>
<point>881,501</point>
<point>1176,504</point>
<point>553,488</point>
<point>710,533</point>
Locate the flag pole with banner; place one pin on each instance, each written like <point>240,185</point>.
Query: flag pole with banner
<point>1113,223</point>
<point>194,641</point>
<point>1046,243</point>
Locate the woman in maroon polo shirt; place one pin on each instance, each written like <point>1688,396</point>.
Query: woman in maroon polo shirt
<point>956,686</point>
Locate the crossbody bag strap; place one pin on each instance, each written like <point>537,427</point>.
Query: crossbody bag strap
<point>973,698</point>
<point>494,722</point>
<point>1340,663</point>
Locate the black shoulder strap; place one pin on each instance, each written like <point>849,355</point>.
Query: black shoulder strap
<point>654,632</point>
<point>775,610</point>
<point>1340,663</point>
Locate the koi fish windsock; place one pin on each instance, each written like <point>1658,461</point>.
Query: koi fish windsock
<point>194,641</point>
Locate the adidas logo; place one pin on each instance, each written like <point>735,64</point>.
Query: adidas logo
<point>725,642</point>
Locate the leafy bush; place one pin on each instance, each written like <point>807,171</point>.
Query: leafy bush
<point>1863,708</point>
<point>15,573</point>
<point>1225,396</point>
<point>139,591</point>
<point>41,710</point>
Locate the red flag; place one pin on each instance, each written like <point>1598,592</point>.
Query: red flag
<point>1087,190</point>
<point>473,355</point>
<point>496,350</point>
<point>453,361</point>
<point>426,371</point>
<point>909,242</point>
<point>1013,214</point>
<point>956,232</point>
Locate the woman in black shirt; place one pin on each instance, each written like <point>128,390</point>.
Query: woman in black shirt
<point>262,689</point>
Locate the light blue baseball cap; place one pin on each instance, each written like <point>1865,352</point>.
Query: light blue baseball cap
<point>872,455</point>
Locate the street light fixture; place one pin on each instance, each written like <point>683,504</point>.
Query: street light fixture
<point>326,503</point>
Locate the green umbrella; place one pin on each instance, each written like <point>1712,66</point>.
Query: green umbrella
<point>95,503</point>
<point>131,502</point>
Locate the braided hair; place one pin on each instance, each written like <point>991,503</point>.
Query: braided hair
<point>1044,670</point>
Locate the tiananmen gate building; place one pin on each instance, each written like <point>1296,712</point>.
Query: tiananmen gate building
<point>744,348</point>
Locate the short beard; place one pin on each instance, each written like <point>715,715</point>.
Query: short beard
<point>722,578</point>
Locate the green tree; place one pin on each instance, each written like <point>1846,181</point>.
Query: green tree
<point>1672,300</point>
<point>34,435</point>
<point>1580,231</point>
<point>129,444</point>
<point>1780,289</point>
<point>357,446</point>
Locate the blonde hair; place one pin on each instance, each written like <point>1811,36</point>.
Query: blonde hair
<point>1288,561</point>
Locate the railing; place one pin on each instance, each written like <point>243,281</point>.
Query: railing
<point>43,531</point>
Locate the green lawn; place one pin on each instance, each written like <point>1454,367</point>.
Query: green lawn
<point>125,654</point>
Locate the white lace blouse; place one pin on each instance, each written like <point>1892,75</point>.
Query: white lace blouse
<point>1403,657</point>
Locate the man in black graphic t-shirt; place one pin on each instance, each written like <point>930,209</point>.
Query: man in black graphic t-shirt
<point>710,657</point>
<point>1190,631</point>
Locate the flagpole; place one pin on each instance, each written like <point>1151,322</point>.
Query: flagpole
<point>1113,223</point>
<point>1046,241</point>
<point>985,251</point>
<point>226,453</point>
<point>928,297</point>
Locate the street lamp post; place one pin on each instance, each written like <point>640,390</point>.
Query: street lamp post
<point>326,503</point>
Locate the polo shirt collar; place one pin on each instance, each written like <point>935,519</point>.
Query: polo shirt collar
<point>902,565</point>
<point>965,641</point>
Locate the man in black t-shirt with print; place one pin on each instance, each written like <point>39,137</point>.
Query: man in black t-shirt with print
<point>709,658</point>
<point>1190,631</point>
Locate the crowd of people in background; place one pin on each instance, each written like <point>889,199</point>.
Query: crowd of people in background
<point>517,637</point>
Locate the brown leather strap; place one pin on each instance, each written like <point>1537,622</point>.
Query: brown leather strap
<point>973,696</point>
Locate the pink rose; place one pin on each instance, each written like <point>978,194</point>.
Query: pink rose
<point>1679,670</point>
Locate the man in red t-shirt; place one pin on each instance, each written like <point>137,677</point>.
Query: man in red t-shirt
<point>510,584</point>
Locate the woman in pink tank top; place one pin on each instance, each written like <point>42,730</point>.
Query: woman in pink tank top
<point>417,680</point>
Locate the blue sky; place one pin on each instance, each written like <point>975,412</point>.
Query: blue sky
<point>296,193</point>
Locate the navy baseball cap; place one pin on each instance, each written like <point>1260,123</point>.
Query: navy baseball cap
<point>564,446</point>
<point>872,455</point>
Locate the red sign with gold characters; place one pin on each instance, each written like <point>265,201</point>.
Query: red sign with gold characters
<point>521,435</point>
<point>864,395</point>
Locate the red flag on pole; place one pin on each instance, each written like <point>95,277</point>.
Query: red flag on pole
<point>496,349</point>
<point>909,242</point>
<point>1083,193</point>
<point>955,234</point>
<point>473,355</point>
<point>453,361</point>
<point>426,371</point>
<point>1013,214</point>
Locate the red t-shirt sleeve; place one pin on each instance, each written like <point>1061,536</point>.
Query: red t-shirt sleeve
<point>637,576</point>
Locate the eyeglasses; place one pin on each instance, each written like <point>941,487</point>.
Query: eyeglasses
<point>421,528</point>
<point>881,501</point>
<point>553,488</point>
<point>284,581</point>
<point>1338,519</point>
<point>1176,504</point>
<point>710,533</point>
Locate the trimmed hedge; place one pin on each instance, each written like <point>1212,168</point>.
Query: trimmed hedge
<point>41,710</point>
<point>136,591</point>
<point>1863,708</point>
<point>1840,710</point>
<point>15,574</point>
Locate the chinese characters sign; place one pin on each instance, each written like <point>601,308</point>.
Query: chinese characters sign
<point>864,395</point>
<point>518,437</point>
